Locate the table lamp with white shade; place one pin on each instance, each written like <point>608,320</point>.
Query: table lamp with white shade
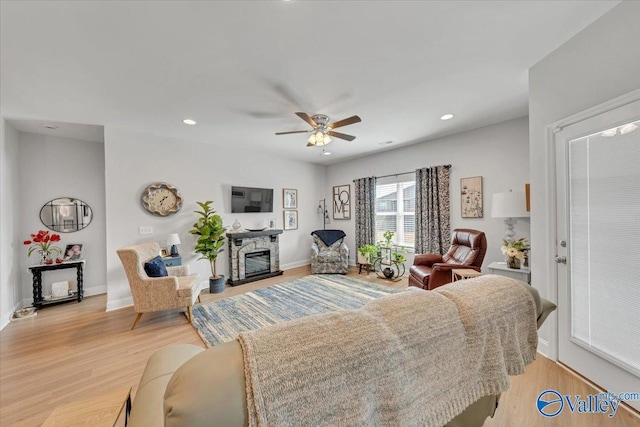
<point>174,240</point>
<point>510,206</point>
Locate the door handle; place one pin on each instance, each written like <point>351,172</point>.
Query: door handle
<point>561,259</point>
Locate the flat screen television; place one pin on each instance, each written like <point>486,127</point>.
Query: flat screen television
<point>250,199</point>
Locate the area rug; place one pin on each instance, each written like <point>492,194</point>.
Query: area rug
<point>222,320</point>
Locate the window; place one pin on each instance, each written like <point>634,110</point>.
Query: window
<point>395,210</point>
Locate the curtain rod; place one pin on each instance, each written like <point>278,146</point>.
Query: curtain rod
<point>402,173</point>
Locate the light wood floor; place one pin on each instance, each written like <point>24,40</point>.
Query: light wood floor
<point>75,351</point>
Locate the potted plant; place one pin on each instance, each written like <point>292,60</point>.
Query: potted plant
<point>367,253</point>
<point>210,232</point>
<point>398,256</point>
<point>388,235</point>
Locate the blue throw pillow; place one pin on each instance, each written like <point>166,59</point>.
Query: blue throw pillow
<point>155,267</point>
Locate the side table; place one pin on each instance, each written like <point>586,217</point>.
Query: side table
<point>36,270</point>
<point>463,273</point>
<point>365,265</point>
<point>172,261</point>
<point>500,268</point>
<point>99,411</point>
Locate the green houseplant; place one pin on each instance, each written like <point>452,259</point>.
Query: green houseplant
<point>210,232</point>
<point>368,253</point>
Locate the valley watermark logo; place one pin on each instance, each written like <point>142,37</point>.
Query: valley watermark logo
<point>551,403</point>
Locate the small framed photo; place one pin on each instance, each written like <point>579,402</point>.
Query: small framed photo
<point>164,252</point>
<point>272,223</point>
<point>290,220</point>
<point>289,198</point>
<point>73,252</point>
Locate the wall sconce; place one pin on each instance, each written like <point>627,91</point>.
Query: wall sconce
<point>509,206</point>
<point>322,210</point>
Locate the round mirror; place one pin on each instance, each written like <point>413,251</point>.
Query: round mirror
<point>66,215</point>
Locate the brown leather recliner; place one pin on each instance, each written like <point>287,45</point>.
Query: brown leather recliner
<point>467,250</point>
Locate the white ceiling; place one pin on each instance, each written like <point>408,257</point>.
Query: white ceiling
<point>242,68</point>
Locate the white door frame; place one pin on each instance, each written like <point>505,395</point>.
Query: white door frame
<point>550,214</point>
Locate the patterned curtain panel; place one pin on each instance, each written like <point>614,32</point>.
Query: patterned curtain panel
<point>433,229</point>
<point>365,189</point>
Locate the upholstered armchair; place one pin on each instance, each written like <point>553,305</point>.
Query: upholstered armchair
<point>329,254</point>
<point>177,290</point>
<point>467,250</point>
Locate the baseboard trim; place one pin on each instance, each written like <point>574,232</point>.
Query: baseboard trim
<point>543,347</point>
<point>6,317</point>
<point>295,264</point>
<point>119,303</point>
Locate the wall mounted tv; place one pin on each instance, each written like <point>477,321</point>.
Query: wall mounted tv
<point>249,199</point>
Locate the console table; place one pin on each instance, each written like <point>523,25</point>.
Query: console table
<point>37,270</point>
<point>500,268</point>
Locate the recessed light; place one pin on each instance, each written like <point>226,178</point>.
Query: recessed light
<point>446,117</point>
<point>326,153</point>
<point>189,122</point>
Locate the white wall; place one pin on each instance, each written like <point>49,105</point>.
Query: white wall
<point>52,167</point>
<point>9,222</point>
<point>201,172</point>
<point>598,64</point>
<point>498,153</point>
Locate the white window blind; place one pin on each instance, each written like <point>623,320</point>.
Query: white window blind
<point>395,209</point>
<point>604,258</point>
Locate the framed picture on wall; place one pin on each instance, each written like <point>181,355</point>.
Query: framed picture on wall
<point>342,202</point>
<point>471,197</point>
<point>289,198</point>
<point>290,220</point>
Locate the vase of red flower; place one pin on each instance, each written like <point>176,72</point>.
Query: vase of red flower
<point>43,243</point>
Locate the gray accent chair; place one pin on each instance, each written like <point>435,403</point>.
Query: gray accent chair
<point>333,259</point>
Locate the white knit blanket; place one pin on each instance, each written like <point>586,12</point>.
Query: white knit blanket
<point>417,358</point>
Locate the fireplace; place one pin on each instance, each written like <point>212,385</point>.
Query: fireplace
<point>253,255</point>
<point>257,263</point>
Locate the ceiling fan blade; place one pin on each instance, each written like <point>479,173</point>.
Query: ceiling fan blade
<point>348,121</point>
<point>293,131</point>
<point>341,135</point>
<point>307,118</point>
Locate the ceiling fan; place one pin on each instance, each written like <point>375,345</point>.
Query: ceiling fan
<point>322,129</point>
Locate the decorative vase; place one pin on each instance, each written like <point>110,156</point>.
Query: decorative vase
<point>513,262</point>
<point>44,256</point>
<point>236,225</point>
